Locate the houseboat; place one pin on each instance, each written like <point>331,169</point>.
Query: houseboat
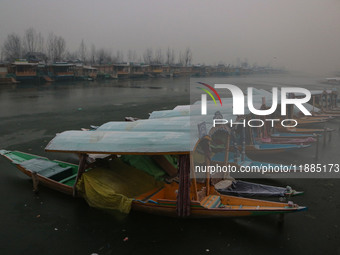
<point>137,70</point>
<point>25,71</point>
<point>122,70</point>
<point>86,73</point>
<point>61,71</point>
<point>155,70</point>
<point>4,79</point>
<point>105,71</point>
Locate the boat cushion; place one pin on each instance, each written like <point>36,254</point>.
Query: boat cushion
<point>211,201</point>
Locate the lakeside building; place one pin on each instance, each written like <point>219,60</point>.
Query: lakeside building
<point>36,70</point>
<point>106,71</point>
<point>61,71</point>
<point>24,70</point>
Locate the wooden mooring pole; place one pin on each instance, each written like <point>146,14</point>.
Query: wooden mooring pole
<point>183,195</point>
<point>81,169</point>
<point>317,149</point>
<point>35,182</point>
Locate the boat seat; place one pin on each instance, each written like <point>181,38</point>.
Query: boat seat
<point>224,184</point>
<point>47,169</point>
<point>211,201</point>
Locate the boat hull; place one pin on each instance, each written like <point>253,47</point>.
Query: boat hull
<point>168,208</point>
<point>156,204</point>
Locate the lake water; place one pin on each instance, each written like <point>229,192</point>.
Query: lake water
<point>53,223</point>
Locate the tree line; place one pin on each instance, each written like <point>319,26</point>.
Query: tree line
<point>53,49</point>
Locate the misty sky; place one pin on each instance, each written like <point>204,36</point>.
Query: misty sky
<point>300,34</point>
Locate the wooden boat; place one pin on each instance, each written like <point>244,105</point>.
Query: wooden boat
<point>332,112</point>
<point>303,130</point>
<point>163,200</point>
<point>244,161</point>
<point>282,135</point>
<point>320,114</point>
<point>311,122</point>
<point>249,189</point>
<point>256,143</point>
<point>188,198</point>
<point>285,140</point>
<point>270,148</point>
<point>221,206</point>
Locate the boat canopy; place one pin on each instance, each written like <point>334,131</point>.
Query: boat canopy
<point>165,132</point>
<point>62,64</point>
<point>121,142</point>
<point>168,135</point>
<point>89,68</point>
<point>225,109</point>
<point>24,63</point>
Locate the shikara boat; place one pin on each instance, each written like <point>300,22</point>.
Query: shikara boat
<point>325,115</point>
<point>118,185</point>
<point>311,121</point>
<point>304,130</point>
<point>285,140</point>
<point>259,142</point>
<point>240,160</point>
<point>250,189</point>
<point>113,189</point>
<point>283,135</point>
<point>270,148</point>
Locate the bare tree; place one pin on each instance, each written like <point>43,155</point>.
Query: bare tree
<point>181,59</point>
<point>119,58</point>
<point>170,56</point>
<point>93,54</point>
<point>12,48</point>
<point>56,47</point>
<point>32,41</point>
<point>82,51</point>
<point>148,56</point>
<point>158,57</point>
<point>132,56</point>
<point>60,47</point>
<point>187,57</point>
<point>100,56</point>
<point>104,56</point>
<point>40,43</point>
<point>245,63</point>
<point>71,55</point>
<point>50,47</point>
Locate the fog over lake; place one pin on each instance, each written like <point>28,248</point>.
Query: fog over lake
<point>298,35</point>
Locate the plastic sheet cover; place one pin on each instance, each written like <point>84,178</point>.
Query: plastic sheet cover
<point>248,189</point>
<point>115,188</point>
